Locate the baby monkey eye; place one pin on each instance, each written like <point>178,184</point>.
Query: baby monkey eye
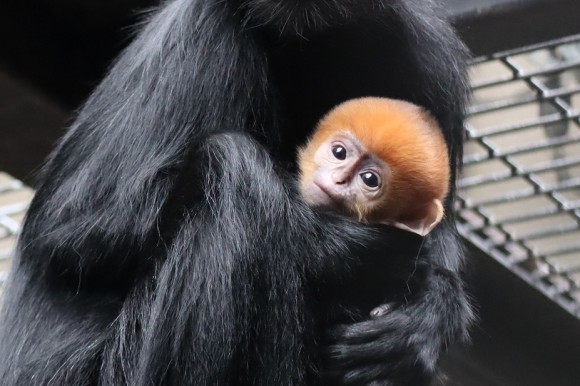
<point>339,152</point>
<point>370,179</point>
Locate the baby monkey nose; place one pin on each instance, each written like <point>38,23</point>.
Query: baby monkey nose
<point>339,178</point>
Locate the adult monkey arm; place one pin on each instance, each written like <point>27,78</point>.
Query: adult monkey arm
<point>249,275</point>
<point>423,327</point>
<point>409,53</point>
<point>96,244</point>
<point>83,280</point>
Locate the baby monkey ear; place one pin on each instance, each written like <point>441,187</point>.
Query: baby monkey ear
<point>432,216</point>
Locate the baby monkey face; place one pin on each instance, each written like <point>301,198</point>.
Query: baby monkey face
<point>347,176</point>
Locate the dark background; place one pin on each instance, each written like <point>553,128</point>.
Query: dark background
<point>54,52</point>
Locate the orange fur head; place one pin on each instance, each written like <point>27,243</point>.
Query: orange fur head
<point>402,135</point>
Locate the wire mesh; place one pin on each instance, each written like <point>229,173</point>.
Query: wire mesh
<point>14,200</point>
<point>520,188</point>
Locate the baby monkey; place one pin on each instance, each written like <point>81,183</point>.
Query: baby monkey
<point>378,160</point>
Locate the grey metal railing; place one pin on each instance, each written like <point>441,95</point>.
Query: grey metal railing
<point>520,189</point>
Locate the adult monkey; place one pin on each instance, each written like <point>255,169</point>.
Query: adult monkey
<point>159,251</point>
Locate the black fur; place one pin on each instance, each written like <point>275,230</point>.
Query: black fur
<point>166,243</point>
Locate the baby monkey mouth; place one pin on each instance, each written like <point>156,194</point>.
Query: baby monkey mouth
<point>327,198</point>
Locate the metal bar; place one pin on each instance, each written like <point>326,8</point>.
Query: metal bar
<point>522,75</point>
<point>523,150</point>
<point>527,49</point>
<point>504,129</point>
<point>482,180</point>
<point>508,103</point>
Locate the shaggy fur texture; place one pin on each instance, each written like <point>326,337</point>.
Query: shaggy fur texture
<point>165,244</point>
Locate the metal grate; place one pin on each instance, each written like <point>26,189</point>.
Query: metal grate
<point>14,200</point>
<point>520,188</point>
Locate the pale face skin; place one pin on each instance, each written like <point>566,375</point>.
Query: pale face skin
<point>346,175</point>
